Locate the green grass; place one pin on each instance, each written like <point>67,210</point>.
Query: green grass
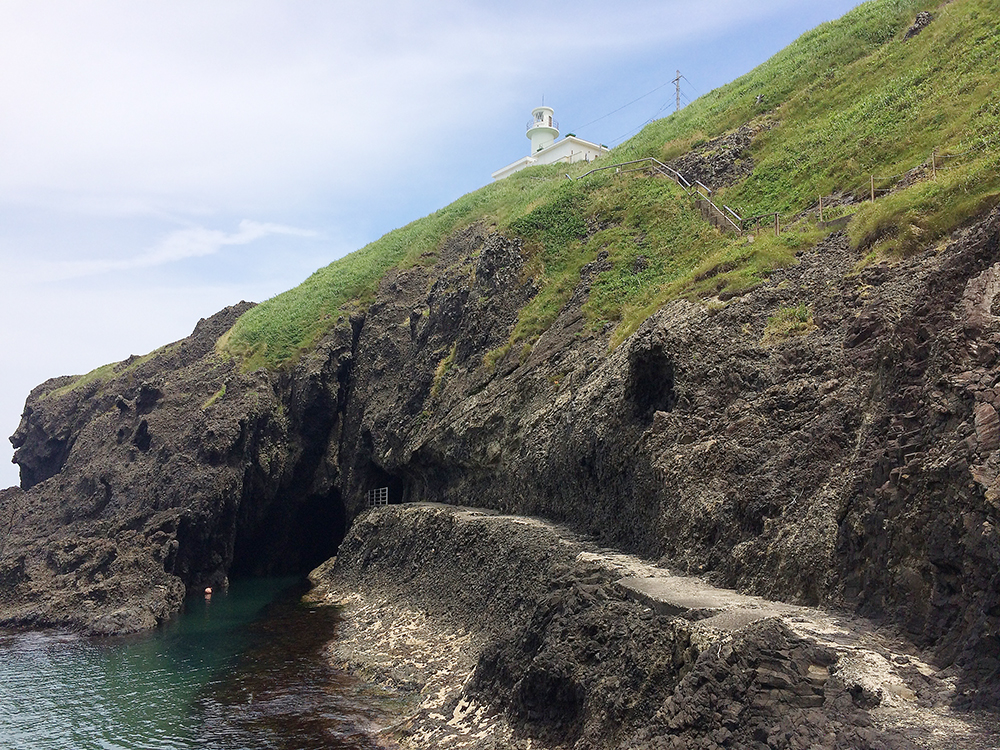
<point>655,241</point>
<point>107,372</point>
<point>214,397</point>
<point>848,100</point>
<point>442,370</point>
<point>788,322</point>
<point>276,332</point>
<point>818,56</point>
<point>882,116</point>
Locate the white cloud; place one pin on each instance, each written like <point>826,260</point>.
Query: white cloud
<point>192,242</point>
<point>257,103</point>
<point>198,241</point>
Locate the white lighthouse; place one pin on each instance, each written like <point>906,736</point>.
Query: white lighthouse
<point>543,132</point>
<point>542,128</point>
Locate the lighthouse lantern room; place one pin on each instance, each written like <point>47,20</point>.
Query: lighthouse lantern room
<point>542,128</point>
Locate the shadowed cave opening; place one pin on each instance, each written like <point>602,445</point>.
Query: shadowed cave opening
<point>399,486</point>
<point>290,538</point>
<point>650,385</point>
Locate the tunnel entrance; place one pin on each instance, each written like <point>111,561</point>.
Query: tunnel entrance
<point>398,486</point>
<point>290,539</point>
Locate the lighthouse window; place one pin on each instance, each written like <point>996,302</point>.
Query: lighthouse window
<point>538,116</point>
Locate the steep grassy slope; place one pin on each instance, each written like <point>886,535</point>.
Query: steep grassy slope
<point>847,101</point>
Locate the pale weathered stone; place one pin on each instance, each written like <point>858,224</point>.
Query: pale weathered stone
<point>987,428</point>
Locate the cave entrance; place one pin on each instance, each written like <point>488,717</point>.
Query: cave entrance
<point>290,539</point>
<point>398,487</point>
<point>650,385</point>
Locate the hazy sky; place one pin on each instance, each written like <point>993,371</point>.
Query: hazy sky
<point>161,160</point>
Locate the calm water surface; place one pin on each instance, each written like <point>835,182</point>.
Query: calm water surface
<point>243,671</point>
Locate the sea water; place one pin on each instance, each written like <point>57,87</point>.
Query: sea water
<point>241,671</point>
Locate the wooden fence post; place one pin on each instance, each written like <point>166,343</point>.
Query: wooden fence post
<point>873,188</point>
<point>821,209</point>
<point>777,225</point>
<point>934,164</point>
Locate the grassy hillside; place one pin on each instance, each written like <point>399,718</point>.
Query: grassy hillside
<point>847,101</point>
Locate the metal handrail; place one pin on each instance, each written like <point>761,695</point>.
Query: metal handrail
<point>658,165</point>
<point>691,190</point>
<point>629,171</point>
<point>614,166</point>
<point>672,173</point>
<point>733,224</point>
<point>553,123</point>
<point>676,177</point>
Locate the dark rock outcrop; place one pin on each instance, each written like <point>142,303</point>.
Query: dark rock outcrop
<point>922,21</point>
<point>831,466</point>
<point>571,661</point>
<point>854,461</point>
<point>720,161</point>
<point>178,471</point>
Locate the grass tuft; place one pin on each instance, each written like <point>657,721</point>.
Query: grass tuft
<point>215,397</point>
<point>788,322</point>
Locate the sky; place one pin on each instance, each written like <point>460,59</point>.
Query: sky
<point>162,160</point>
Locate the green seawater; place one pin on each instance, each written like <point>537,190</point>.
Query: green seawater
<point>243,671</point>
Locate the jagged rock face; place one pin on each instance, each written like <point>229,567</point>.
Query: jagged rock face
<point>922,21</point>
<point>426,325</point>
<point>177,470</point>
<point>855,462</point>
<point>837,465</point>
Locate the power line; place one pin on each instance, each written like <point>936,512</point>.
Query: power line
<point>581,127</point>
<point>632,132</point>
<point>679,95</point>
<point>696,89</point>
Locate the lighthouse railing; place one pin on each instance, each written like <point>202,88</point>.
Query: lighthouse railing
<point>552,123</point>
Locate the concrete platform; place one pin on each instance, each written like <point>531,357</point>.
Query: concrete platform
<point>694,599</point>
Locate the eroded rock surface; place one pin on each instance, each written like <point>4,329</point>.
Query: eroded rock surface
<point>720,161</point>
<point>493,631</point>
<point>922,21</point>
<point>164,478</point>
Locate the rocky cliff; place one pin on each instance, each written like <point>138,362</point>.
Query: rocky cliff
<point>163,474</point>
<point>485,631</point>
<point>851,457</point>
